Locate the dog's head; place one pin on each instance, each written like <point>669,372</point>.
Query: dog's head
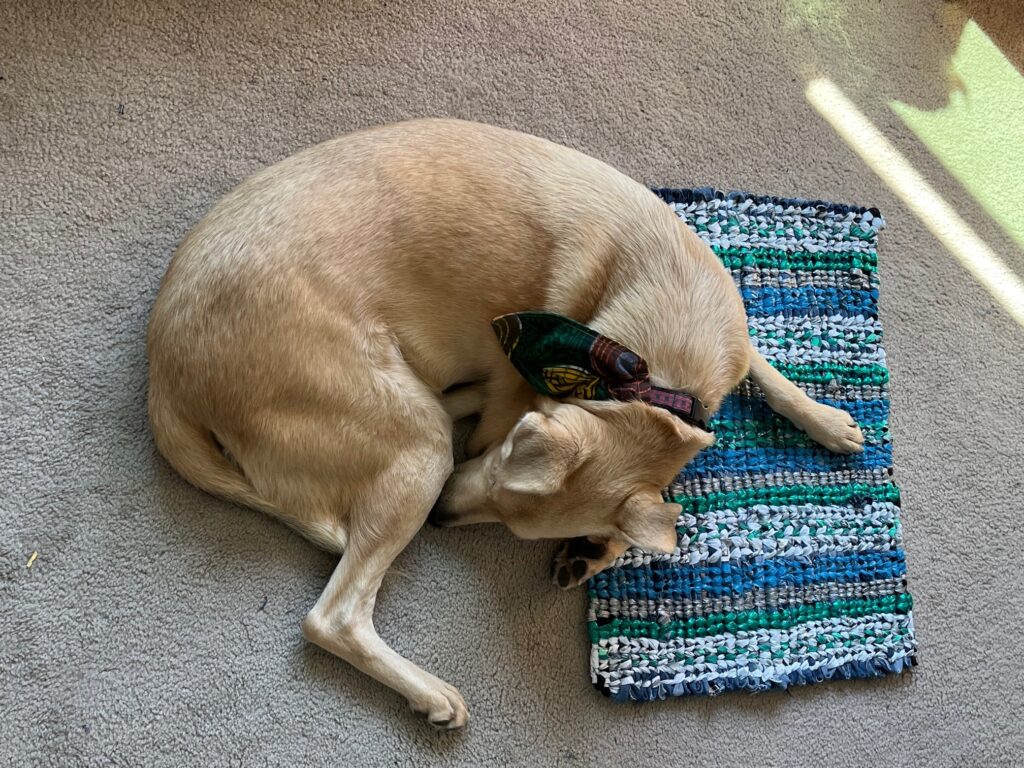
<point>579,468</point>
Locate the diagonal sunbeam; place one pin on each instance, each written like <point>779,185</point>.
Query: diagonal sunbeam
<point>917,194</point>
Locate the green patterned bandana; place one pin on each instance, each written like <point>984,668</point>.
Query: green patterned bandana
<point>562,358</point>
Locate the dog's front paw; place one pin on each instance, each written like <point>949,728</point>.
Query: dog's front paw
<point>835,429</point>
<point>578,559</point>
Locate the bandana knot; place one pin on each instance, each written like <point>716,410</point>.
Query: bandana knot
<point>560,357</point>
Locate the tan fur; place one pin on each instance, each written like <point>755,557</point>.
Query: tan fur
<point>310,336</point>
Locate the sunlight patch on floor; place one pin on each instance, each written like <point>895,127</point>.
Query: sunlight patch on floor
<point>979,135</point>
<point>918,195</point>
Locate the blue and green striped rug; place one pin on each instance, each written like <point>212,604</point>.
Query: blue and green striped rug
<point>790,565</point>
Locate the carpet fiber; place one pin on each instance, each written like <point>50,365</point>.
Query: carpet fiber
<point>158,626</point>
<point>789,567</point>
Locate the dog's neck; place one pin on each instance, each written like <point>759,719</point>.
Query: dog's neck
<point>678,308</point>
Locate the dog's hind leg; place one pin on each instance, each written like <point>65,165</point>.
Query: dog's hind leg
<point>462,401</point>
<point>831,427</point>
<point>507,397</point>
<point>387,513</point>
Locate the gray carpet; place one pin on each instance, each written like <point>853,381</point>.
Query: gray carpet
<point>158,626</point>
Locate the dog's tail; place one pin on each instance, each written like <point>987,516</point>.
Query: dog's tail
<point>198,456</point>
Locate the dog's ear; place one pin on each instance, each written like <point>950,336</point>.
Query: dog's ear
<point>679,438</point>
<point>649,523</point>
<point>538,455</point>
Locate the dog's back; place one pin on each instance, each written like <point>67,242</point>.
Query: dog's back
<point>421,233</point>
<point>307,327</point>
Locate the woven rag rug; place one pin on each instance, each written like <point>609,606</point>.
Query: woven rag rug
<point>789,567</point>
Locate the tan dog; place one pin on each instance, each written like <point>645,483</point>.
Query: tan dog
<point>318,332</point>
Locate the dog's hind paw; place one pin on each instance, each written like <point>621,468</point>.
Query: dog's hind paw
<point>443,708</point>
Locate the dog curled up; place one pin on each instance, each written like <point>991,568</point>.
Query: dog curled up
<point>319,331</point>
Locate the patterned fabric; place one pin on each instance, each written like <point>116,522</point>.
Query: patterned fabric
<point>789,567</point>
<point>560,357</point>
